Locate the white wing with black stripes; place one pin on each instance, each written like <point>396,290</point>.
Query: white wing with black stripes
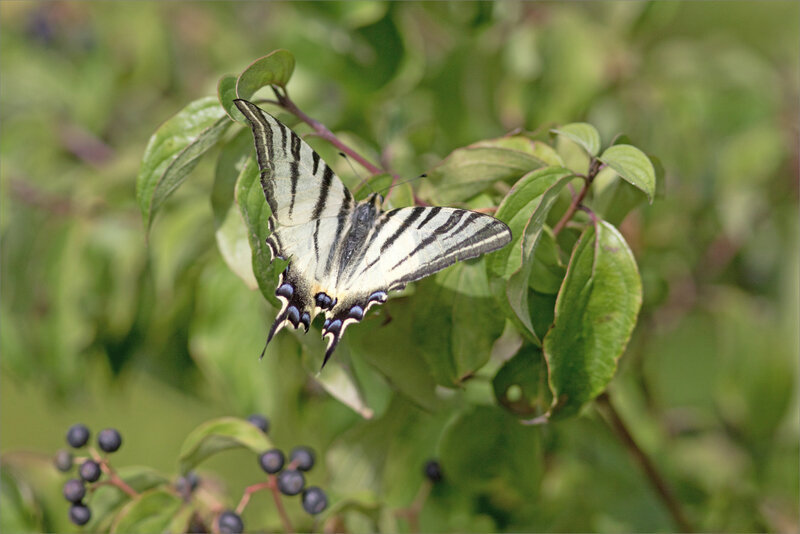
<point>346,256</point>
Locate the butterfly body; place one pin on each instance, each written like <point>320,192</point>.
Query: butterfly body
<point>345,256</point>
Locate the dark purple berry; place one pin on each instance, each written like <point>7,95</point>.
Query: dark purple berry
<point>302,458</point>
<point>77,435</point>
<point>74,490</point>
<point>260,422</point>
<point>109,440</point>
<point>187,484</point>
<point>90,471</point>
<point>291,482</point>
<point>79,514</point>
<point>314,500</point>
<point>230,523</point>
<point>63,460</point>
<point>433,470</point>
<point>271,461</point>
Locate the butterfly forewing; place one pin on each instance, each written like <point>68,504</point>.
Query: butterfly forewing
<point>345,256</point>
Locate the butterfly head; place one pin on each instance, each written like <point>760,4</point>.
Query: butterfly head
<point>376,200</point>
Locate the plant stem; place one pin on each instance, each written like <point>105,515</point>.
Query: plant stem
<point>114,479</point>
<point>276,496</point>
<point>322,131</point>
<point>412,512</point>
<point>248,492</point>
<point>594,168</point>
<point>659,484</point>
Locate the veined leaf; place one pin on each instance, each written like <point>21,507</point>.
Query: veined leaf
<point>469,453</point>
<point>517,286</point>
<point>582,133</point>
<point>521,384</point>
<point>151,512</point>
<point>231,231</point>
<point>175,149</point>
<point>255,212</point>
<point>595,314</point>
<point>106,500</point>
<point>273,69</point>
<point>468,171</point>
<point>633,166</point>
<point>226,93</point>
<point>456,320</point>
<point>218,435</point>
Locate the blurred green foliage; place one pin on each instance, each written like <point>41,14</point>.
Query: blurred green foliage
<point>153,338</point>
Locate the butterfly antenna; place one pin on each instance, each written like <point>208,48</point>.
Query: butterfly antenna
<point>386,190</point>
<point>361,180</point>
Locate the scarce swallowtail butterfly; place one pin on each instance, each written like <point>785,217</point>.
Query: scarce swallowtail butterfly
<point>345,256</point>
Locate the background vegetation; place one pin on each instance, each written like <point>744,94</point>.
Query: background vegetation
<point>155,338</point>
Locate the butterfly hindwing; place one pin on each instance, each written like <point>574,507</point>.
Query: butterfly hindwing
<point>345,257</point>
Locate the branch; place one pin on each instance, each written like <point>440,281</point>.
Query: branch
<point>322,131</point>
<point>594,168</point>
<point>618,425</point>
<point>114,479</point>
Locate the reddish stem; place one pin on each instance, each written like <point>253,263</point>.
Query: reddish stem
<point>112,475</point>
<point>322,131</point>
<point>655,478</point>
<point>272,485</point>
<point>412,512</point>
<point>594,168</point>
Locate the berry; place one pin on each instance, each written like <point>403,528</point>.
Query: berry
<point>260,422</point>
<point>314,500</point>
<point>302,457</point>
<point>74,490</point>
<point>79,514</point>
<point>271,461</point>
<point>230,523</point>
<point>187,484</point>
<point>433,470</point>
<point>77,435</point>
<point>89,471</point>
<point>63,460</point>
<point>291,482</point>
<point>109,440</point>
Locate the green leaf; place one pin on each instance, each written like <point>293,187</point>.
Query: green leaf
<point>385,346</point>
<point>21,507</point>
<point>175,149</point>
<point>517,286</point>
<point>151,512</point>
<point>468,171</point>
<point>273,69</point>
<point>470,456</point>
<point>582,133</point>
<point>521,384</point>
<point>226,94</point>
<point>255,212</point>
<point>231,231</point>
<point>547,154</point>
<point>218,435</point>
<point>595,315</point>
<point>106,500</point>
<point>456,321</point>
<point>547,271</point>
<point>614,198</point>
<point>515,210</point>
<point>633,166</point>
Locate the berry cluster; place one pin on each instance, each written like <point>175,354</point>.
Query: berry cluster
<point>89,470</point>
<point>289,479</point>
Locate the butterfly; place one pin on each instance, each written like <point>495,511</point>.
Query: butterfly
<point>346,256</point>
